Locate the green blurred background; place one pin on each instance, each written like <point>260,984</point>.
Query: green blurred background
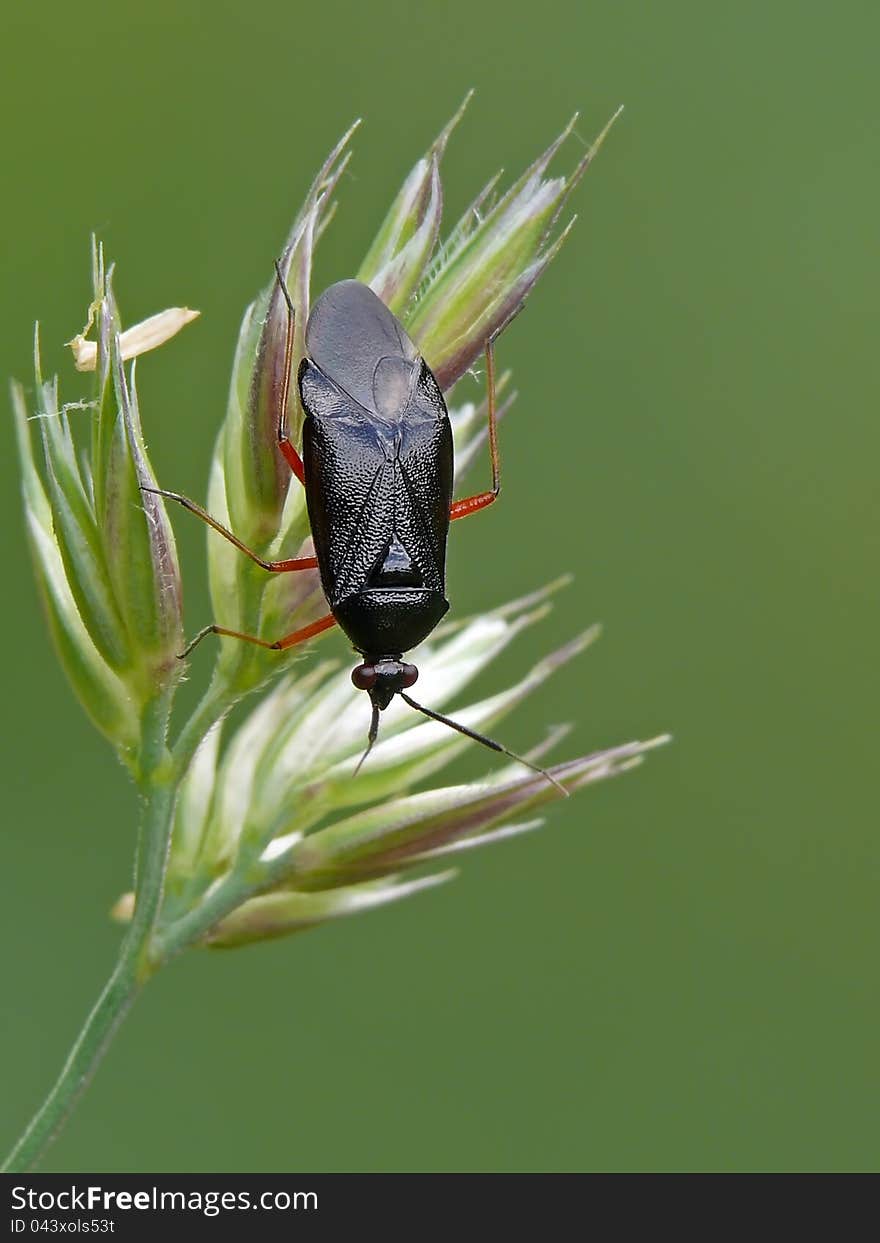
<point>679,972</point>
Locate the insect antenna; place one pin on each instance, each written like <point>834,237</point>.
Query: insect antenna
<point>487,742</point>
<point>371,738</point>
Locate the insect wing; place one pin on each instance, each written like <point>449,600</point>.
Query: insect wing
<point>349,484</point>
<point>425,471</point>
<point>357,343</point>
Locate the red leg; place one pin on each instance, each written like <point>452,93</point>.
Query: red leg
<point>305,632</point>
<point>274,567</point>
<point>470,504</point>
<point>280,645</point>
<point>293,459</point>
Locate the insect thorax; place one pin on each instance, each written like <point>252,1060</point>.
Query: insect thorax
<point>389,621</point>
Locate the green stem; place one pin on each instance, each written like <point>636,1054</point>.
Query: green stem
<point>132,969</point>
<point>214,704</point>
<point>193,925</point>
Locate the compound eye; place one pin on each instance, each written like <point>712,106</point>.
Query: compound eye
<point>364,677</point>
<point>409,675</point>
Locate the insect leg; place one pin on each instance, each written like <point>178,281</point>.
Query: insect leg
<point>293,459</point>
<point>274,567</point>
<point>470,504</point>
<point>280,645</point>
<point>305,632</point>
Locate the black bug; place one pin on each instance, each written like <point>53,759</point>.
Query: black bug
<point>377,467</point>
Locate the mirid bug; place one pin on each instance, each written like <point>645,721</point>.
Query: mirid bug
<point>377,468</point>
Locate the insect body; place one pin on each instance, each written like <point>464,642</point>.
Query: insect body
<point>377,467</point>
<point>377,453</point>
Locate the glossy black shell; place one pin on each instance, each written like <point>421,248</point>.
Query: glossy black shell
<point>377,451</point>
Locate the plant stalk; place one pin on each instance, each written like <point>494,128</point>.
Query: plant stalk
<point>159,790</point>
